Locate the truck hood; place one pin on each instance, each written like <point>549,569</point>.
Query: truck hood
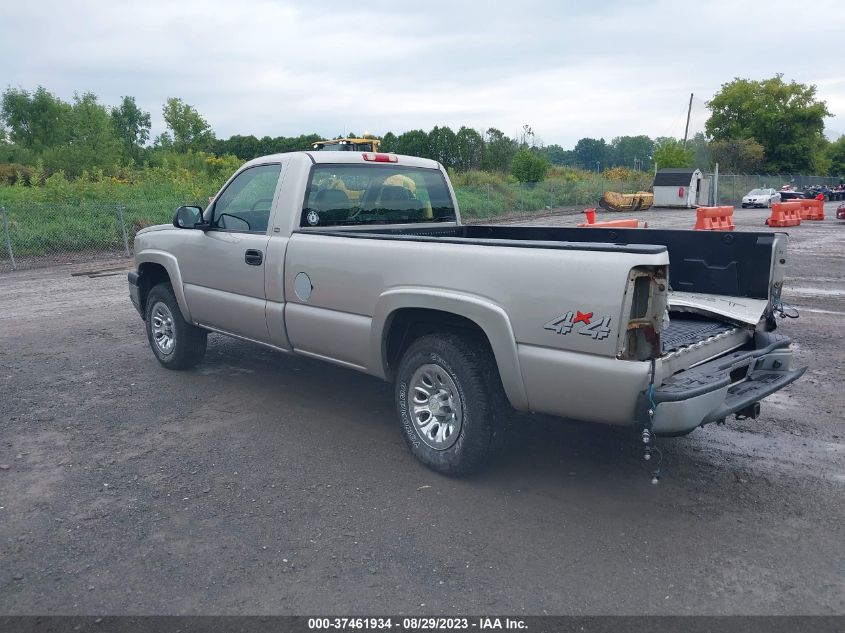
<point>741,309</point>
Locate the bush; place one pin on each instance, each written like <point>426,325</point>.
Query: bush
<point>529,166</point>
<point>12,173</point>
<point>619,173</point>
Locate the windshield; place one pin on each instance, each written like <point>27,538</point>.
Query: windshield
<point>345,195</point>
<point>758,192</point>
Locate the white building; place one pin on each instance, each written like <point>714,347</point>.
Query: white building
<point>681,187</point>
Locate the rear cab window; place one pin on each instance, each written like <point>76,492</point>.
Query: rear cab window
<point>354,195</point>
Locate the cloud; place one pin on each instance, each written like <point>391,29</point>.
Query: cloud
<point>280,68</point>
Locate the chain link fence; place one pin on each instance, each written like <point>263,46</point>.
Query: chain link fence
<point>49,233</point>
<point>732,187</point>
<point>38,234</point>
<point>489,201</point>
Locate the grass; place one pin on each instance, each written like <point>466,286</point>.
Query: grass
<point>62,216</point>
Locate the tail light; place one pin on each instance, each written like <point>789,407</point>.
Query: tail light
<point>380,158</point>
<point>646,298</point>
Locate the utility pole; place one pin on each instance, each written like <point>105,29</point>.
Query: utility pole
<point>686,129</point>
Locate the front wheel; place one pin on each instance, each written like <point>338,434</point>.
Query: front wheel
<point>451,403</point>
<point>745,206</point>
<point>176,343</point>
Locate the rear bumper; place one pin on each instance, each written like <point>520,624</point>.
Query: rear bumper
<point>135,290</point>
<point>714,390</point>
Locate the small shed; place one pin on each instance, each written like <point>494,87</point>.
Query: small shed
<point>681,187</point>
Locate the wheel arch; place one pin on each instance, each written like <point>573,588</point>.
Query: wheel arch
<point>403,315</point>
<point>155,267</point>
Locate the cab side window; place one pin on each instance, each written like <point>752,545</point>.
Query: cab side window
<point>245,205</point>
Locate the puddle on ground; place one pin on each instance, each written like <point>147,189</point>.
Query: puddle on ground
<point>818,311</point>
<point>814,291</point>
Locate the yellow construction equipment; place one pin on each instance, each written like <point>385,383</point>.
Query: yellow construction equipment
<point>348,145</point>
<point>639,201</point>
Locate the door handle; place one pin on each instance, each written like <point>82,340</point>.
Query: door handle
<point>253,257</point>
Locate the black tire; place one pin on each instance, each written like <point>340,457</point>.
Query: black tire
<point>485,410</point>
<point>745,206</point>
<point>188,342</point>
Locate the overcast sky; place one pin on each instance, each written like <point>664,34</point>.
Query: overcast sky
<point>569,69</point>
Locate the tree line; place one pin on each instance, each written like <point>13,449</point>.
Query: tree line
<point>767,126</point>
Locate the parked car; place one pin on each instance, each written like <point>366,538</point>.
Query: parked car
<point>760,198</point>
<point>791,194</point>
<point>815,191</point>
<point>840,212</point>
<point>361,260</point>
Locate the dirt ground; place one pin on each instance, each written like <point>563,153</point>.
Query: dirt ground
<point>259,483</point>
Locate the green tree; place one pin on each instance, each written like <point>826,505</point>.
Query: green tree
<point>836,154</point>
<point>91,144</point>
<point>469,148</point>
<point>388,143</point>
<point>672,153</point>
<point>529,165</point>
<point>442,145</point>
<point>559,156</point>
<point>740,156</point>
<point>702,152</point>
<point>163,141</point>
<point>244,147</point>
<point>591,153</point>
<point>785,118</point>
<point>190,130</point>
<point>499,151</point>
<point>35,121</point>
<point>413,143</point>
<point>631,151</point>
<point>131,125</point>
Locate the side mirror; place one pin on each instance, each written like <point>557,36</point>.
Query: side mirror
<point>187,217</point>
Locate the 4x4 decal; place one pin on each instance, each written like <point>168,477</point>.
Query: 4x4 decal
<point>598,329</point>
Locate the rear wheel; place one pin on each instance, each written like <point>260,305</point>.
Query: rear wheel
<point>451,403</point>
<point>176,343</point>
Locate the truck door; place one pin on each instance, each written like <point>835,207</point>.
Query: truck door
<point>223,268</point>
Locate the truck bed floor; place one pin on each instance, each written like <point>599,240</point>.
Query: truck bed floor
<point>687,330</point>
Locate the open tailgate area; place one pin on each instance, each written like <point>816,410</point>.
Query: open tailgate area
<point>713,390</point>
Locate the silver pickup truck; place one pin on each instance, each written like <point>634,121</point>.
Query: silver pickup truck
<point>360,259</point>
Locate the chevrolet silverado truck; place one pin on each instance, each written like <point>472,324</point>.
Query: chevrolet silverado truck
<point>361,260</point>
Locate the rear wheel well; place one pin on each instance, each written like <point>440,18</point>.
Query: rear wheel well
<point>151,275</point>
<point>408,324</point>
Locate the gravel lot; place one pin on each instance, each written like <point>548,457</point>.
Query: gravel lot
<point>260,483</point>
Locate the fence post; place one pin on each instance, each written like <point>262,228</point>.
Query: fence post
<point>716,185</point>
<point>487,189</point>
<point>8,237</point>
<point>123,228</point>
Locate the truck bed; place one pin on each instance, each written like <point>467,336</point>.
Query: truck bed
<point>711,262</point>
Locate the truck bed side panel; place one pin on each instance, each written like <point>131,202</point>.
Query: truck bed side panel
<point>533,286</point>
